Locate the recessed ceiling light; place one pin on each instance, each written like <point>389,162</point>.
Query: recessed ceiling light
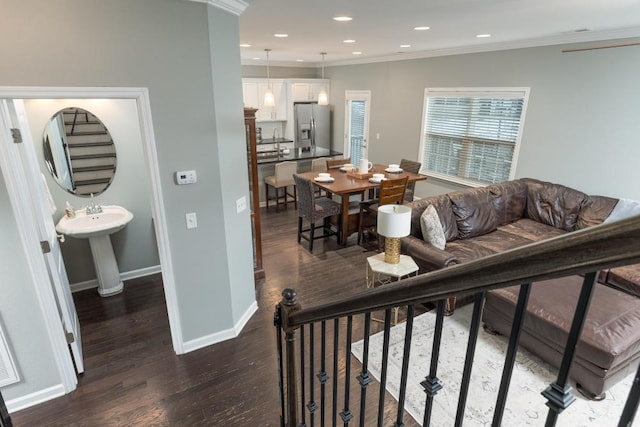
<point>349,41</point>
<point>342,18</point>
<point>245,45</point>
<point>483,36</point>
<point>281,35</point>
<point>421,28</point>
<point>299,60</point>
<point>357,53</point>
<point>255,58</point>
<point>405,45</point>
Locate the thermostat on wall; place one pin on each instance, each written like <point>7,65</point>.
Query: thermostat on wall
<point>186,177</point>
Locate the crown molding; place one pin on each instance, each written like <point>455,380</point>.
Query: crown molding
<point>233,6</point>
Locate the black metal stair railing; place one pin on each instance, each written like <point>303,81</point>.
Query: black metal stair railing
<point>584,252</point>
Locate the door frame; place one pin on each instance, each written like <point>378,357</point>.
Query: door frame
<point>351,95</point>
<point>32,247</point>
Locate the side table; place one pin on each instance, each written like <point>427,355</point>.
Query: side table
<point>382,273</point>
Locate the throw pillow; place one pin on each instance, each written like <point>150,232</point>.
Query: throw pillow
<point>431,227</point>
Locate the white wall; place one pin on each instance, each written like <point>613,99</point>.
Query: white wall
<point>581,127</point>
<point>135,246</point>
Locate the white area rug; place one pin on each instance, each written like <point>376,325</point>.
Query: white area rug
<point>525,405</point>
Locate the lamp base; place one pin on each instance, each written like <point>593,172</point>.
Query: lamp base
<point>391,250</point>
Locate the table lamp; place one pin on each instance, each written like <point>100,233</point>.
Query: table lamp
<point>394,222</point>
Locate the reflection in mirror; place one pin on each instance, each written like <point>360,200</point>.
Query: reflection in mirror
<point>79,152</point>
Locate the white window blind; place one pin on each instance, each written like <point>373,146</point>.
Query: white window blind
<point>472,137</point>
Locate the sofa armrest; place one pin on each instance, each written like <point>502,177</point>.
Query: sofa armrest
<point>427,256</point>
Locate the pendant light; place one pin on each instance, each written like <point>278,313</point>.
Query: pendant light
<point>323,98</point>
<point>269,99</point>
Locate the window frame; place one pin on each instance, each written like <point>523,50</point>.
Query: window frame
<point>460,92</point>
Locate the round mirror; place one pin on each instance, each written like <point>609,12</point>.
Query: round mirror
<point>79,152</point>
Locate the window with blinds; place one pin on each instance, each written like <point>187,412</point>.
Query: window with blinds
<point>472,137</point>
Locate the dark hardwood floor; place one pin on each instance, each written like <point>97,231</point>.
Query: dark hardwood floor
<point>133,378</point>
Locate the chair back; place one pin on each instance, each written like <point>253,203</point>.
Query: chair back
<point>336,163</point>
<point>410,166</point>
<point>319,164</point>
<point>306,196</point>
<point>285,171</point>
<point>392,191</point>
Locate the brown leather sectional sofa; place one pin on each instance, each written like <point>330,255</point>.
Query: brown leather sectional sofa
<point>483,221</point>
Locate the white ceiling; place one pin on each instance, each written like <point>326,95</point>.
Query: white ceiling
<point>381,26</point>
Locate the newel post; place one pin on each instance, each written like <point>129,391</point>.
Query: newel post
<point>287,306</point>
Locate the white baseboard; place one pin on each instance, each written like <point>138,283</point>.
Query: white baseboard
<point>227,334</point>
<point>32,399</point>
<point>127,275</point>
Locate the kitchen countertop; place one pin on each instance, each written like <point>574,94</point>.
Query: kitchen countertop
<point>296,154</point>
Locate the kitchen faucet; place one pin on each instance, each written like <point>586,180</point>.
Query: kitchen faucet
<point>93,208</point>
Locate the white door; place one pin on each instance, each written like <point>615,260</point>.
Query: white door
<point>39,213</point>
<point>356,138</point>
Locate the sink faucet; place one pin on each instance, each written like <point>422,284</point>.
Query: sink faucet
<point>93,208</point>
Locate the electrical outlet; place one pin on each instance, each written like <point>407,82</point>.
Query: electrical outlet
<point>241,204</point>
<point>192,220</point>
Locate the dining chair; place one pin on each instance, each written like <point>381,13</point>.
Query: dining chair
<point>319,165</point>
<point>410,166</point>
<point>313,209</point>
<point>283,179</point>
<point>391,192</point>
<point>337,163</point>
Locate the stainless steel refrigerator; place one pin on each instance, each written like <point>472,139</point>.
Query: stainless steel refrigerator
<point>312,125</point>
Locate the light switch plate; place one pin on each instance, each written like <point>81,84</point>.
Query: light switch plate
<point>192,220</point>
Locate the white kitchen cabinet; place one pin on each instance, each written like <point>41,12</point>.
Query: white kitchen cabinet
<point>308,90</point>
<point>253,91</point>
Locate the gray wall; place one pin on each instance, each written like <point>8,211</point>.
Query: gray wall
<point>260,71</point>
<point>582,122</point>
<point>166,46</point>
<point>135,246</point>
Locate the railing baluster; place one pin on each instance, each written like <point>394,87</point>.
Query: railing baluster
<point>558,394</point>
<point>303,415</point>
<point>322,375</point>
<point>5,419</point>
<point>431,383</point>
<point>383,371</point>
<point>289,305</point>
<point>510,359</point>
<point>364,377</point>
<point>346,414</point>
<point>631,407</point>
<point>405,366</point>
<point>468,361</point>
<point>336,332</point>
<point>312,404</point>
<point>277,321</point>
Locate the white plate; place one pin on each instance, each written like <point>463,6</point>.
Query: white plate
<point>399,170</point>
<point>343,169</point>
<point>377,181</point>
<point>320,179</point>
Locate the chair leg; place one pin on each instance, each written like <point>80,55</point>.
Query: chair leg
<point>295,197</point>
<point>266,195</point>
<point>311,230</point>
<point>360,220</point>
<point>299,228</point>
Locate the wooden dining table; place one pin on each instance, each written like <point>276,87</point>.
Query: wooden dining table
<point>345,185</point>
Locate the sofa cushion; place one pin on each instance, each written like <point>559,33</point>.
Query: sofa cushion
<point>474,212</point>
<point>625,208</point>
<point>445,213</point>
<point>509,199</point>
<point>626,278</point>
<point>431,228</point>
<point>594,211</point>
<point>501,240</point>
<point>553,204</point>
<point>468,250</point>
<point>531,230</point>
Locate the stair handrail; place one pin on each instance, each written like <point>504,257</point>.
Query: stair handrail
<point>587,250</point>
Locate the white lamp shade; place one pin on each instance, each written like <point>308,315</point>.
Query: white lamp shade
<point>269,99</point>
<point>394,220</point>
<point>323,98</point>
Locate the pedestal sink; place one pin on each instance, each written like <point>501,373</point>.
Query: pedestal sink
<point>97,227</point>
